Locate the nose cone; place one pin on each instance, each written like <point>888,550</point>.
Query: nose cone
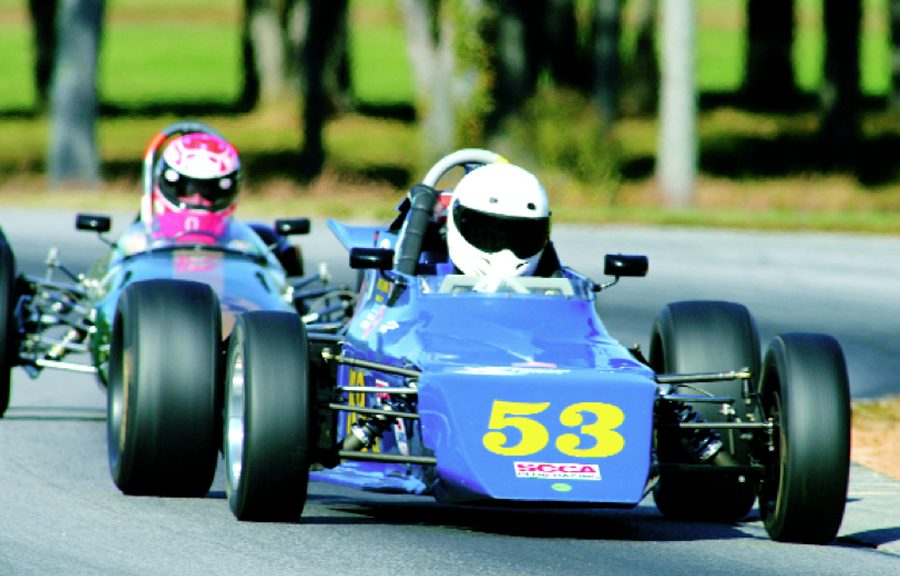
<point>540,434</point>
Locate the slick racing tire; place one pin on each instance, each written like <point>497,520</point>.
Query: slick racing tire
<point>161,400</point>
<point>268,417</point>
<point>805,393</point>
<point>8,343</point>
<point>706,336</point>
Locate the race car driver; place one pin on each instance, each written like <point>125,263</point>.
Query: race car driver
<point>196,183</point>
<point>193,198</point>
<point>498,224</point>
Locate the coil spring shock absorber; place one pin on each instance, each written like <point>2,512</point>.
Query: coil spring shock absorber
<point>704,444</point>
<point>368,429</point>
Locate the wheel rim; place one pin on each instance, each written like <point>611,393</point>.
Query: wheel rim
<point>121,371</point>
<point>772,483</point>
<point>115,413</point>
<point>120,406</point>
<point>234,421</point>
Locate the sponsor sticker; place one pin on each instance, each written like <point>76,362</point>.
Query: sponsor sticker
<point>557,471</point>
<point>372,321</point>
<point>401,437</point>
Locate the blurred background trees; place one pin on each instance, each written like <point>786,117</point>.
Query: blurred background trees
<point>74,101</point>
<point>482,69</point>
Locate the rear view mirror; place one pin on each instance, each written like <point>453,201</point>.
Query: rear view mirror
<point>93,222</point>
<point>292,226</point>
<point>622,265</point>
<point>369,258</point>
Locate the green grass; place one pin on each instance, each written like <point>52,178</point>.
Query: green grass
<point>175,50</point>
<point>381,71</point>
<point>875,46</point>
<point>15,54</point>
<point>194,61</point>
<point>721,45</point>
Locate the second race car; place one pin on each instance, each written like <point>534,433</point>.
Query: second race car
<point>151,317</point>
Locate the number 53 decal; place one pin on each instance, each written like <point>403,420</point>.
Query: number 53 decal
<point>595,423</point>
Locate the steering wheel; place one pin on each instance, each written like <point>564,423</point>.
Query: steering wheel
<point>163,136</point>
<point>422,198</point>
<point>464,157</point>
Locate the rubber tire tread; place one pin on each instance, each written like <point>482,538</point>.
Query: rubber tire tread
<point>278,418</point>
<point>8,343</point>
<point>707,336</point>
<point>166,341</point>
<point>804,495</point>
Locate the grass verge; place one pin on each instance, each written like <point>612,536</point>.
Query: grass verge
<point>875,442</point>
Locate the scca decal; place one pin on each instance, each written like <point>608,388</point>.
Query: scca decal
<point>552,471</point>
<point>595,422</point>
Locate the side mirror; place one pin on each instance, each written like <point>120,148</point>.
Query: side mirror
<point>292,226</point>
<point>621,265</point>
<point>93,223</point>
<point>369,258</point>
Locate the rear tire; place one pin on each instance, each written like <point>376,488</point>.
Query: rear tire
<point>161,399</point>
<point>706,336</point>
<point>8,340</point>
<point>805,392</point>
<point>268,417</point>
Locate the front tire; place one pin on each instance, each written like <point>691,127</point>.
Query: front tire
<point>805,393</point>
<point>161,398</point>
<point>8,343</point>
<point>268,417</point>
<point>706,336</point>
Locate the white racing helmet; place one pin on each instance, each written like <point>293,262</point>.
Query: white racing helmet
<point>498,222</point>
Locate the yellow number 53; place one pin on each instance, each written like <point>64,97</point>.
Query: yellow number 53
<point>595,438</point>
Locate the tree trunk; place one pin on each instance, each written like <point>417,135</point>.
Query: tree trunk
<point>273,38</point>
<point>676,168</point>
<point>325,19</point>
<point>264,52</point>
<point>43,18</point>
<point>250,80</point>
<point>641,82</point>
<point>74,159</point>
<point>433,63</point>
<point>607,32</point>
<point>895,54</point>
<point>769,81</point>
<point>840,93</point>
<point>560,44</point>
<point>337,80</point>
<point>515,70</point>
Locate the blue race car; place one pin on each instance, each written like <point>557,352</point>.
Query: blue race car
<point>150,321</point>
<point>513,391</point>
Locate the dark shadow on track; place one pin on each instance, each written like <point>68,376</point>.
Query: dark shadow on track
<point>873,538</point>
<point>639,524</point>
<point>55,414</point>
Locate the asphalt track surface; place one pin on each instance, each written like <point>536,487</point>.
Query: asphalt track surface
<point>61,514</point>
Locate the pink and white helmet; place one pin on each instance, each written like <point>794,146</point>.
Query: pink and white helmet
<point>195,189</point>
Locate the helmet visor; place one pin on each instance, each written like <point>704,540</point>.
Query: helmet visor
<point>492,233</point>
<point>208,193</point>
